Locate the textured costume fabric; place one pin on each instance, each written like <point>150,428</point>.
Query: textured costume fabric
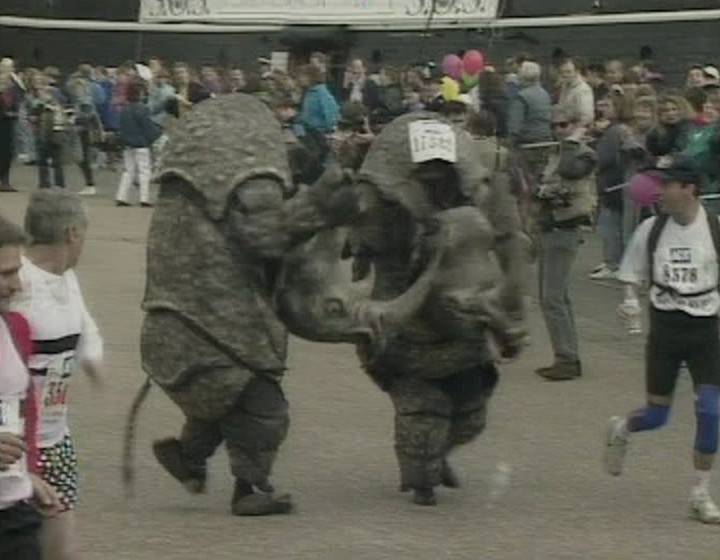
<point>253,430</point>
<point>223,221</point>
<point>387,234</point>
<point>439,380</point>
<point>434,416</point>
<point>388,164</point>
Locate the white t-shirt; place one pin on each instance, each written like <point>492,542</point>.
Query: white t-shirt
<point>63,332</point>
<point>15,484</point>
<point>685,261</point>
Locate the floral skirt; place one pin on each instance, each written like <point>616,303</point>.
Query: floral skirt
<point>58,467</point>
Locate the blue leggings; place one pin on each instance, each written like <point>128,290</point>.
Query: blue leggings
<point>707,414</point>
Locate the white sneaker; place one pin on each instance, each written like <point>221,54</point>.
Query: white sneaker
<point>603,272</point>
<point>703,508</point>
<point>88,191</point>
<point>616,443</point>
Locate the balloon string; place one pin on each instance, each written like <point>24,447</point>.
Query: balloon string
<point>431,15</point>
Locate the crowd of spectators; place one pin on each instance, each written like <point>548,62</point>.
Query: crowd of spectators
<point>628,112</point>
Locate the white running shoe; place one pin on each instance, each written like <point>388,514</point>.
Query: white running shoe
<point>88,191</point>
<point>603,272</point>
<point>703,508</point>
<point>616,443</point>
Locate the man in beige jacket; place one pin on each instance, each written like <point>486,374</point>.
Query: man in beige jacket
<point>565,202</point>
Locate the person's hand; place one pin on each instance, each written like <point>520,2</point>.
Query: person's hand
<point>96,374</point>
<point>44,497</point>
<point>12,448</point>
<point>180,99</point>
<point>629,314</point>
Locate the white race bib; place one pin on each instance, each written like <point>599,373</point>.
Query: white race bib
<point>681,269</point>
<point>430,140</point>
<point>56,386</point>
<point>12,420</point>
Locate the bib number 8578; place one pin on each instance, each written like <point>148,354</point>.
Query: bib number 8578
<point>680,274</point>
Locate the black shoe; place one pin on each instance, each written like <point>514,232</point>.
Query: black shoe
<point>561,371</point>
<point>425,497</point>
<point>121,204</point>
<point>169,454</point>
<point>146,205</point>
<point>247,502</point>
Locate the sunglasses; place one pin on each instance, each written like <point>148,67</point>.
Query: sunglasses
<point>560,124</point>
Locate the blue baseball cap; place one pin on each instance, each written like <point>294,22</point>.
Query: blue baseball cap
<point>676,168</point>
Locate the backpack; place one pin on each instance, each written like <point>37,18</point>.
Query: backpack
<point>654,237</point>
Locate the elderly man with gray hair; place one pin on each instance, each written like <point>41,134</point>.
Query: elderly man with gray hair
<point>529,119</point>
<point>63,334</point>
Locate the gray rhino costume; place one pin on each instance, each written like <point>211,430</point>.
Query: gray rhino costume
<point>443,268</point>
<point>439,378</point>
<point>211,340</point>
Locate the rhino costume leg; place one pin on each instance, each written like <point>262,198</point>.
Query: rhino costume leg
<point>199,439</point>
<point>222,401</point>
<point>470,392</point>
<point>254,430</point>
<point>423,414</point>
<point>432,418</point>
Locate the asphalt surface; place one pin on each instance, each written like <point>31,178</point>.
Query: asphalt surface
<point>533,486</point>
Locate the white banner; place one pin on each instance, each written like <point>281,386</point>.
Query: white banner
<point>319,12</point>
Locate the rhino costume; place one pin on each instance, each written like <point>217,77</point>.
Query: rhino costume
<point>440,274</point>
<point>439,378</point>
<point>225,217</point>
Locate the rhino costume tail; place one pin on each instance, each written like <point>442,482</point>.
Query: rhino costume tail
<point>128,469</point>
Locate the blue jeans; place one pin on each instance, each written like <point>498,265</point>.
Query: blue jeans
<point>610,224</point>
<point>558,249</point>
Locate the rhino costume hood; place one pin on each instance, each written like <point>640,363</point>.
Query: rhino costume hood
<point>423,348</point>
<point>241,139</point>
<point>388,164</point>
<point>193,268</point>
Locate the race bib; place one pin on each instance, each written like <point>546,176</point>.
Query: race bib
<point>55,388</point>
<point>432,140</point>
<point>12,420</point>
<point>680,269</point>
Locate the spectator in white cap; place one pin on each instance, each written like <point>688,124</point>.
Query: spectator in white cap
<point>711,75</point>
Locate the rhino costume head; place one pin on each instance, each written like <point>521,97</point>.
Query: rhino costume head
<point>390,170</point>
<point>318,299</point>
<point>406,212</point>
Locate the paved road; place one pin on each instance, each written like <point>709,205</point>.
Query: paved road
<point>339,463</point>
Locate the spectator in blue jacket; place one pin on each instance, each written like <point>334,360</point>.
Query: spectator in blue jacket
<point>320,111</point>
<point>108,115</point>
<point>138,132</point>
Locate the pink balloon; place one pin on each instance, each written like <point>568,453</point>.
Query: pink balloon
<point>453,66</point>
<point>473,62</point>
<point>644,189</point>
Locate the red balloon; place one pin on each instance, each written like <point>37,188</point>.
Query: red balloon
<point>453,66</point>
<point>644,189</point>
<point>473,62</point>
